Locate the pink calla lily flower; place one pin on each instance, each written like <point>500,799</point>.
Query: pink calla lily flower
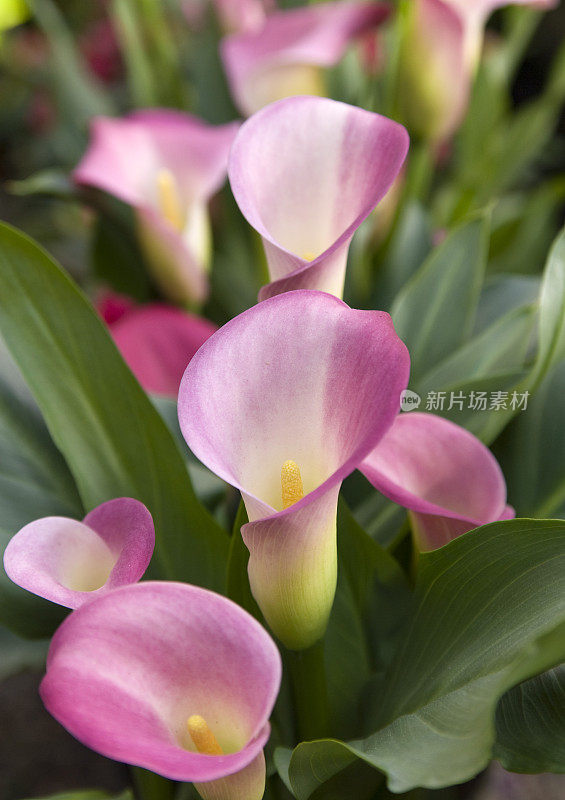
<point>242,15</point>
<point>285,55</point>
<point>284,402</point>
<point>447,478</point>
<point>71,562</point>
<point>442,42</point>
<point>172,678</point>
<point>157,342</point>
<point>305,172</point>
<point>166,165</point>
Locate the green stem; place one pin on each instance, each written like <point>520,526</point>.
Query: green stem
<point>150,786</point>
<point>308,673</point>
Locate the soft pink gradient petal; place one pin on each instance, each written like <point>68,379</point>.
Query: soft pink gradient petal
<point>442,473</point>
<point>126,671</point>
<point>114,543</point>
<point>242,15</point>
<point>303,377</point>
<point>316,35</point>
<point>126,157</point>
<point>157,341</point>
<point>305,173</point>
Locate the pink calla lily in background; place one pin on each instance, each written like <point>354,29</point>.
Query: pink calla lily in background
<point>70,562</point>
<point>305,172</point>
<point>441,45</point>
<point>284,402</point>
<point>166,165</point>
<point>242,15</point>
<point>157,342</point>
<point>284,55</point>
<point>443,474</point>
<point>172,678</point>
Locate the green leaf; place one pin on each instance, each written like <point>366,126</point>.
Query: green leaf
<point>552,311</point>
<point>369,580</point>
<point>502,294</point>
<point>114,441</point>
<point>409,246</point>
<point>530,725</point>
<point>34,482</point>
<point>501,347</point>
<point>115,254</point>
<point>237,587</point>
<point>489,612</point>
<point>531,450</point>
<point>435,312</point>
<point>80,95</point>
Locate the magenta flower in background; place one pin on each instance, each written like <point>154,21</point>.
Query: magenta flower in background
<point>71,562</point>
<point>172,678</point>
<point>447,478</point>
<point>166,165</point>
<point>305,172</point>
<point>284,56</point>
<point>284,402</point>
<point>442,41</point>
<point>156,340</point>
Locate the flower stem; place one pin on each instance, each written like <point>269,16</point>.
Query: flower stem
<point>308,672</point>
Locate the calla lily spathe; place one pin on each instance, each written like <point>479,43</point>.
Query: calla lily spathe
<point>305,172</point>
<point>447,478</point>
<point>166,165</point>
<point>157,341</point>
<point>284,402</point>
<point>172,678</point>
<point>71,562</point>
<point>285,55</point>
<point>242,15</point>
<point>440,50</point>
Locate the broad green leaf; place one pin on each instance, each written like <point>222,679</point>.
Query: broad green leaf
<point>531,451</point>
<point>502,294</point>
<point>502,346</point>
<point>435,312</point>
<point>530,724</point>
<point>463,403</point>
<point>524,227</point>
<point>114,441</point>
<point>409,246</point>
<point>34,482</point>
<point>489,612</point>
<point>371,598</point>
<point>115,256</point>
<point>208,487</point>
